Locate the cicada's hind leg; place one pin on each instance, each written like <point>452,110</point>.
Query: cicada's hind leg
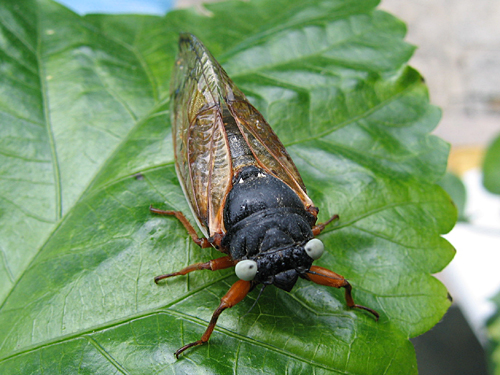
<point>200,241</point>
<point>213,265</point>
<point>323,276</point>
<point>235,294</point>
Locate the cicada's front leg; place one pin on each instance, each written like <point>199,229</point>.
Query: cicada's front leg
<point>318,228</point>
<point>212,265</point>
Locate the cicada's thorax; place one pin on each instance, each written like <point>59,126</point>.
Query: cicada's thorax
<point>264,219</point>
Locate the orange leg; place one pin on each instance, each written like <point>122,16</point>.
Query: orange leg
<point>235,294</point>
<point>200,241</point>
<point>213,265</point>
<point>318,228</point>
<point>324,276</point>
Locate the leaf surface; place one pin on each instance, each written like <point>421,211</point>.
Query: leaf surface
<point>85,148</point>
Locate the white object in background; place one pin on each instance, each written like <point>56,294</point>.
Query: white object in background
<point>473,276</point>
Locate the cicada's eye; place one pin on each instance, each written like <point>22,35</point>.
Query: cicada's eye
<point>314,248</point>
<point>246,269</point>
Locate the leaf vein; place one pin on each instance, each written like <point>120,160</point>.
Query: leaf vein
<point>355,118</point>
<point>17,35</point>
<point>6,264</point>
<point>27,213</point>
<point>106,355</point>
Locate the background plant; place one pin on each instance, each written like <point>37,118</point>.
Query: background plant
<point>491,180</point>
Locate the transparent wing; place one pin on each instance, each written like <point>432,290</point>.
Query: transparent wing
<point>201,148</point>
<point>268,150</point>
<point>205,105</point>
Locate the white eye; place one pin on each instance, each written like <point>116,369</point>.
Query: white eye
<point>314,248</point>
<point>246,269</point>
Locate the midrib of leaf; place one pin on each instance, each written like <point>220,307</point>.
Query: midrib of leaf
<point>55,163</point>
<point>48,124</point>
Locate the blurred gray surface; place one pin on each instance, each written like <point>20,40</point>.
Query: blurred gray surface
<point>459,55</point>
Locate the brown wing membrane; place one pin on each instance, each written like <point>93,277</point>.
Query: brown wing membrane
<point>206,105</point>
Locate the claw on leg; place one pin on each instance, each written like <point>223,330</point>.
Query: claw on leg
<point>323,276</point>
<point>235,294</point>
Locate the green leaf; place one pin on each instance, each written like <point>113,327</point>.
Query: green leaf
<point>455,188</point>
<point>491,167</point>
<point>86,148</point>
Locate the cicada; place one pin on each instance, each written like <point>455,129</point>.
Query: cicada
<point>243,188</point>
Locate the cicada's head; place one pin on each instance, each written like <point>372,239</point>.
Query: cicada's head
<point>282,266</point>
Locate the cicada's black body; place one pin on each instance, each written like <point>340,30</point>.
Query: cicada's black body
<point>243,188</point>
<point>266,221</point>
